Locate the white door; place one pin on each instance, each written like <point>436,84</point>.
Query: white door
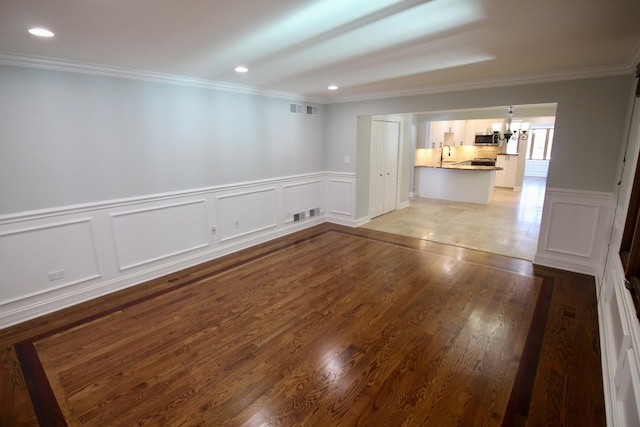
<point>385,139</point>
<point>391,166</point>
<point>376,196</point>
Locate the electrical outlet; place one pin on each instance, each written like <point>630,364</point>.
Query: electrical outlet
<point>56,275</point>
<point>236,223</point>
<point>213,231</point>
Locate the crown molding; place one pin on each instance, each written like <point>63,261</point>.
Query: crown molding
<point>47,63</point>
<point>32,61</point>
<point>634,58</point>
<point>491,83</point>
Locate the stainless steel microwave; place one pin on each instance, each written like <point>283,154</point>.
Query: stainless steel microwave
<point>485,140</point>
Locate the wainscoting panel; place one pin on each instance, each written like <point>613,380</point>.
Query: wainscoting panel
<point>341,199</point>
<point>50,255</point>
<point>59,257</point>
<point>574,225</point>
<point>245,212</point>
<point>620,342</point>
<point>146,235</point>
<point>303,197</point>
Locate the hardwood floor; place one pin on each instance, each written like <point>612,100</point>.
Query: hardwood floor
<point>329,326</point>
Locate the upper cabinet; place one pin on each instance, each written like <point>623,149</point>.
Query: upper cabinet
<point>458,132</point>
<point>436,135</point>
<point>484,126</point>
<point>470,132</point>
<point>448,132</point>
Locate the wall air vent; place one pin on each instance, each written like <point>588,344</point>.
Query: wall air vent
<point>314,212</point>
<point>312,110</point>
<point>295,108</point>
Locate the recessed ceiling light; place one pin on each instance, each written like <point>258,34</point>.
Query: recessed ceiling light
<point>40,32</point>
<point>333,87</point>
<point>241,69</point>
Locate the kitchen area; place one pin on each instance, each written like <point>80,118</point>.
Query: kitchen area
<point>464,159</point>
<point>469,190</point>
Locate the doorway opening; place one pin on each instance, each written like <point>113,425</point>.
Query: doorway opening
<point>510,223</point>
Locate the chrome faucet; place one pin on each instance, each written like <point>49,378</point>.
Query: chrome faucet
<point>442,152</point>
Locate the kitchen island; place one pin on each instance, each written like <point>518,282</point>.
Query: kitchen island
<point>456,181</point>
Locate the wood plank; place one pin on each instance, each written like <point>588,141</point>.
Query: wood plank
<point>329,326</point>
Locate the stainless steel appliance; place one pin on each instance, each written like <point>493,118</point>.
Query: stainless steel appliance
<point>485,140</point>
<point>483,162</point>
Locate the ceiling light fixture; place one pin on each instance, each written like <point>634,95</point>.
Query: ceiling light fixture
<point>40,32</point>
<point>333,87</point>
<point>241,69</point>
<point>519,129</point>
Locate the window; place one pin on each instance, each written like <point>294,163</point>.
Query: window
<point>539,145</point>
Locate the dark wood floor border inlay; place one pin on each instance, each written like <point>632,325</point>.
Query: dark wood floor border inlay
<point>520,398</point>
<point>44,400</point>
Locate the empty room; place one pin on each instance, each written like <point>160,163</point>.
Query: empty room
<point>189,194</point>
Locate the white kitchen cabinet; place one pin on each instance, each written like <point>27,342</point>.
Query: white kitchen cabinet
<point>507,176</point>
<point>483,126</point>
<point>470,132</point>
<point>458,128</point>
<point>450,132</point>
<point>436,135</point>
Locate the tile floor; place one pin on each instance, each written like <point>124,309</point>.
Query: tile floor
<point>508,225</point>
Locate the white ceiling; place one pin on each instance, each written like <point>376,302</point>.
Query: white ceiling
<point>367,47</point>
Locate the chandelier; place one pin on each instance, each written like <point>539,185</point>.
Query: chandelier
<point>517,130</point>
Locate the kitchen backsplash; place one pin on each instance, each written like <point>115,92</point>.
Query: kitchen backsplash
<point>429,156</point>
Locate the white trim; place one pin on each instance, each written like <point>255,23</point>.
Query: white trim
<point>620,343</point>
<point>55,64</point>
<point>65,65</point>
<point>490,83</point>
<point>581,220</point>
<point>107,204</point>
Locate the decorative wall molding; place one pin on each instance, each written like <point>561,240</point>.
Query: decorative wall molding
<point>94,249</point>
<point>55,64</point>
<point>146,235</point>
<point>148,198</point>
<point>620,347</point>
<point>574,225</point>
<point>341,196</point>
<point>492,83</point>
<point>47,63</point>
<point>32,262</point>
<point>246,212</point>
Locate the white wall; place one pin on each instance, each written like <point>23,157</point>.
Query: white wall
<point>69,138</point>
<point>108,182</point>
